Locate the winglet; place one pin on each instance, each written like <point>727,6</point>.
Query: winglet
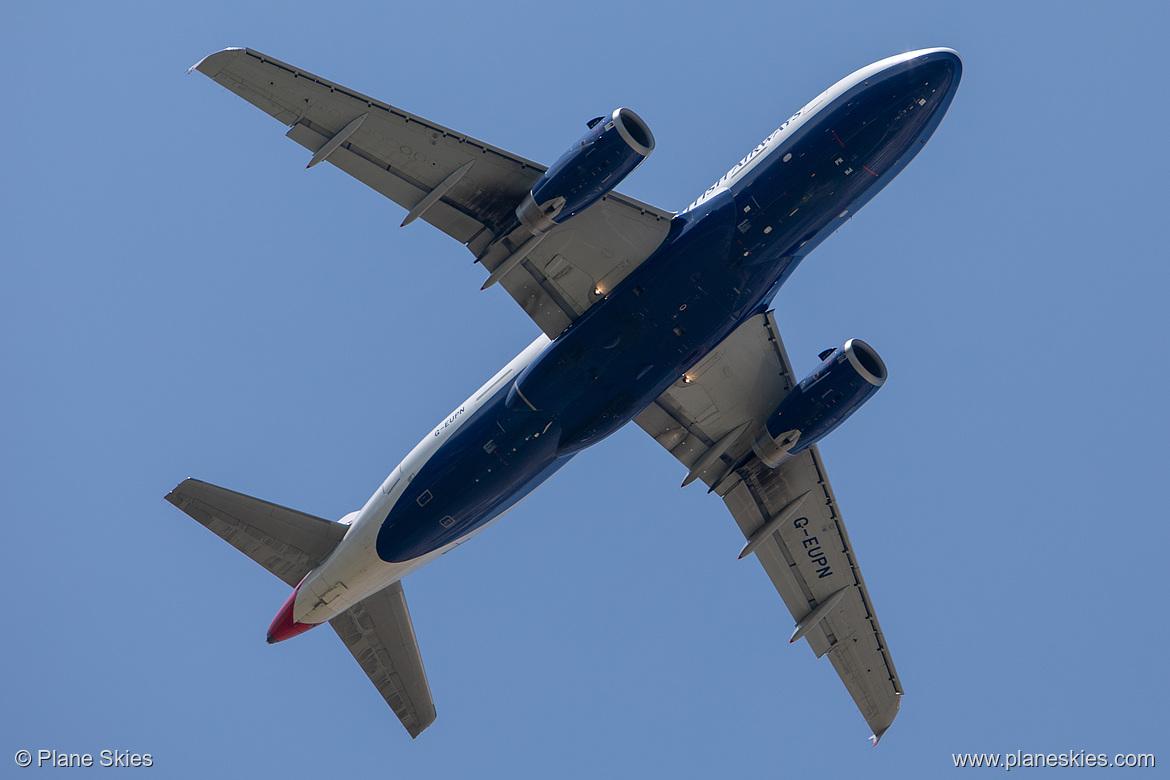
<point>198,66</point>
<point>876,737</point>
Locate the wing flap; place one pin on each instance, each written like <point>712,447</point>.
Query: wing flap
<point>284,541</point>
<point>379,633</point>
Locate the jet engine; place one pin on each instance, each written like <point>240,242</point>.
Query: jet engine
<point>614,146</point>
<point>845,379</point>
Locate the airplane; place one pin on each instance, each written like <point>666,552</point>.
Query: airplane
<point>648,315</point>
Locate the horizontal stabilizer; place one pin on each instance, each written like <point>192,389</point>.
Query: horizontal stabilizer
<point>380,635</point>
<point>288,543</point>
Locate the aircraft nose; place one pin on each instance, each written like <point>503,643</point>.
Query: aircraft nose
<point>942,66</point>
<point>932,73</point>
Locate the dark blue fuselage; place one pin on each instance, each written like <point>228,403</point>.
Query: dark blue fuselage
<point>721,262</point>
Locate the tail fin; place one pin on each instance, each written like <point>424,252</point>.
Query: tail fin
<point>288,543</point>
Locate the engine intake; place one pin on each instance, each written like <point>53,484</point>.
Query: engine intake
<point>822,401</point>
<point>583,175</point>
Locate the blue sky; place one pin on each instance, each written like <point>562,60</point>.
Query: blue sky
<point>180,297</point>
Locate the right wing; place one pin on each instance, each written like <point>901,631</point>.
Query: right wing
<point>381,637</point>
<point>464,187</point>
<point>811,563</point>
<point>788,514</point>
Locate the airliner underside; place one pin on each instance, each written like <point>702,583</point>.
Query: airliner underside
<point>646,315</point>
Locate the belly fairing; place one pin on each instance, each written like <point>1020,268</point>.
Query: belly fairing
<point>624,352</point>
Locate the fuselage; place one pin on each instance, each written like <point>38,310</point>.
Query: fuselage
<point>722,261</point>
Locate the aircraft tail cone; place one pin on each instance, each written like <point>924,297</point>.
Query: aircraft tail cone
<point>283,626</point>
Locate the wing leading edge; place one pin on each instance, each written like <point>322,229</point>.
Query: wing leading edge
<point>465,187</point>
<point>789,514</point>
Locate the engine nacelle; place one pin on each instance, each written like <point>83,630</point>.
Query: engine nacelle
<point>614,146</point>
<point>823,400</point>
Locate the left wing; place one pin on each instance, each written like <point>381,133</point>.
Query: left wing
<point>788,514</point>
<point>465,187</point>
